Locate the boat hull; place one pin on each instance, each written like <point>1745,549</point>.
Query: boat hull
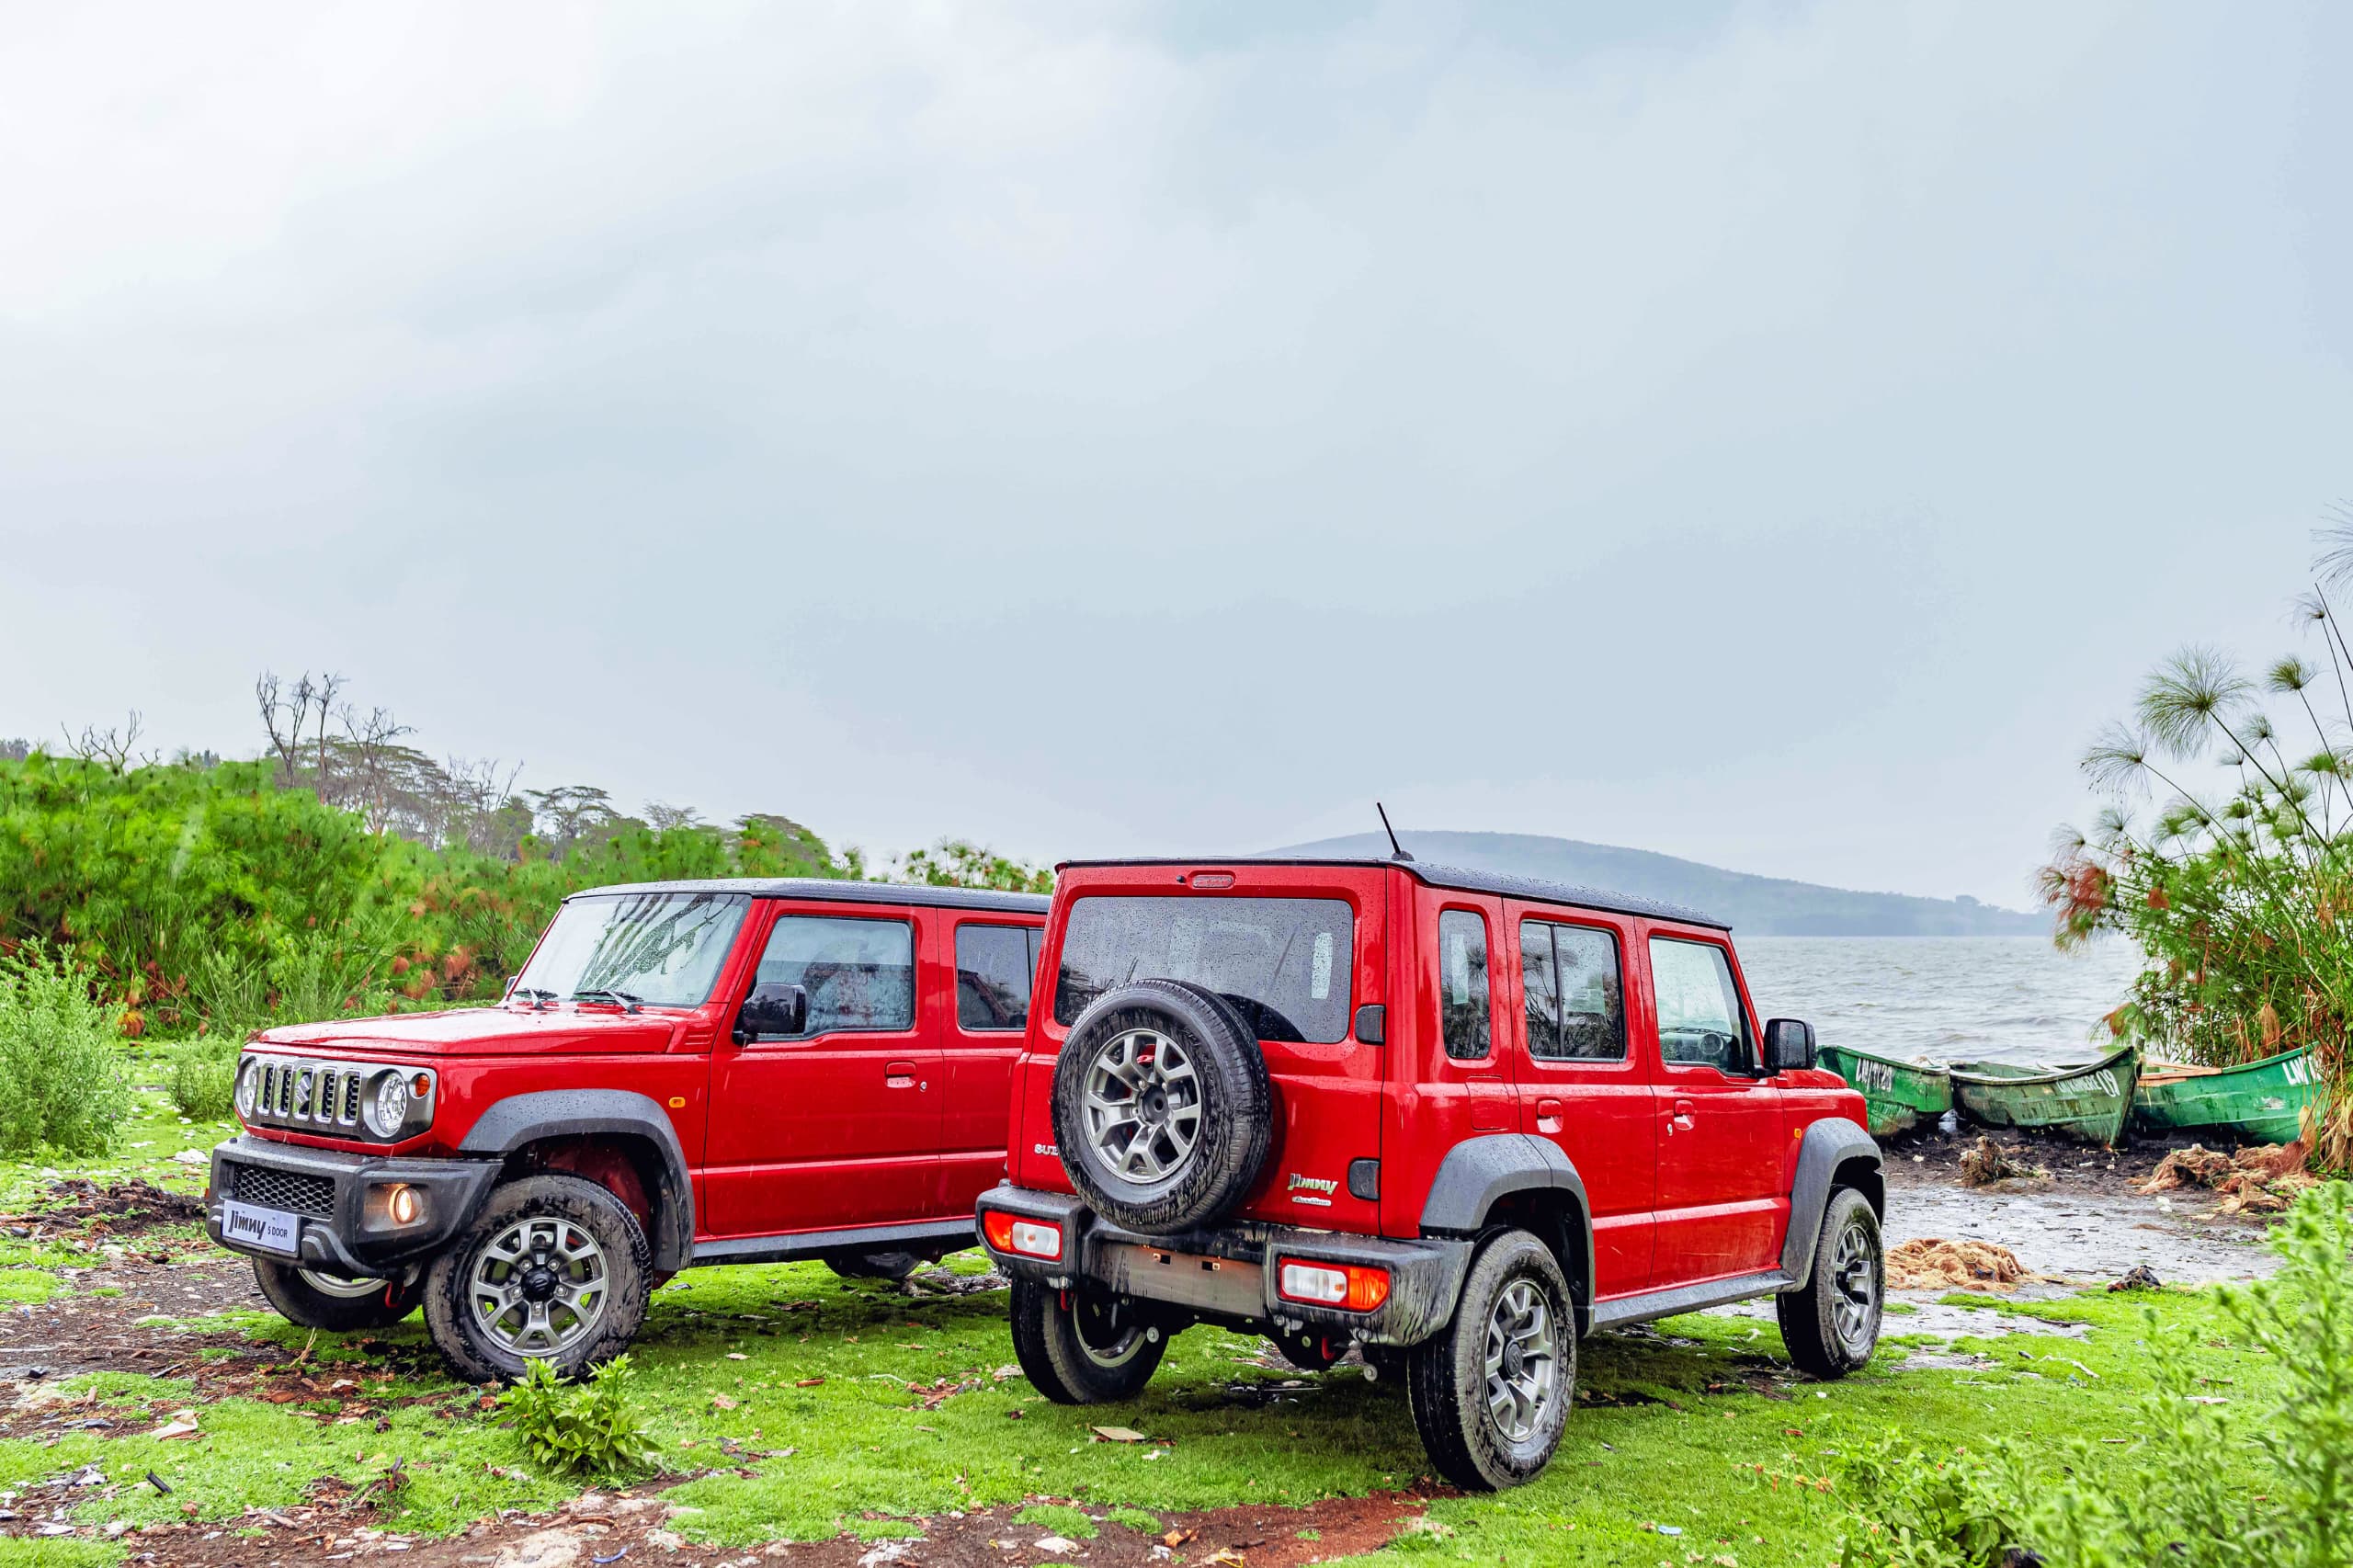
<point>2093,1103</point>
<point>2258,1102</point>
<point>1896,1094</point>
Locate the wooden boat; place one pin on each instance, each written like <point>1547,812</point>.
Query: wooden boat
<point>2256,1102</point>
<point>1896,1094</point>
<point>2093,1103</point>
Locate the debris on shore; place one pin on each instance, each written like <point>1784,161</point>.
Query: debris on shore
<point>1932,1263</point>
<point>1988,1163</point>
<point>2263,1180</point>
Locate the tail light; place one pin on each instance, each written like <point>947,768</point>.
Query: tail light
<point>1023,1238</point>
<point>1348,1286</point>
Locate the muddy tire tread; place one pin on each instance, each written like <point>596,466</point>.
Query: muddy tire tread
<point>1804,1316</point>
<point>1446,1375</point>
<point>570,1197</point>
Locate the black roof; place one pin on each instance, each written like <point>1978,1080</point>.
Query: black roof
<point>1500,883</point>
<point>843,892</point>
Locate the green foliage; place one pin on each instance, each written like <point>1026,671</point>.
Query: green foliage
<point>203,1083</point>
<point>1058,1518</point>
<point>2194,1487</point>
<point>61,1057</point>
<point>1135,1520</point>
<point>586,1427</point>
<point>960,863</point>
<point>2239,890</point>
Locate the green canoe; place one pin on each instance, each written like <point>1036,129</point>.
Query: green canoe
<point>2093,1103</point>
<point>2256,1102</point>
<point>1895,1094</point>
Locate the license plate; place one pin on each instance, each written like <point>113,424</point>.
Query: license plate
<point>272,1230</point>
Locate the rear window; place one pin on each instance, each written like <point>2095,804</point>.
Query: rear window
<point>1282,962</point>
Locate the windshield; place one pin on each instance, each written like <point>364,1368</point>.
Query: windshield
<point>1283,962</point>
<point>660,949</point>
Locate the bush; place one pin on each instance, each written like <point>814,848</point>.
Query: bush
<point>2179,1496</point>
<point>204,1078</point>
<point>61,1058</point>
<point>586,1427</point>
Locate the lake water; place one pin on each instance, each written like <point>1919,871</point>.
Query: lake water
<point>1944,999</point>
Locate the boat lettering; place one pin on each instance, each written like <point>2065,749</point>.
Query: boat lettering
<point>2299,1071</point>
<point>1874,1075</point>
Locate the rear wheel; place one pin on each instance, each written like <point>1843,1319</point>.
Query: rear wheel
<point>1832,1327</point>
<point>1082,1349</point>
<point>1162,1107</point>
<point>553,1269</point>
<point>339,1303</point>
<point>1490,1392</point>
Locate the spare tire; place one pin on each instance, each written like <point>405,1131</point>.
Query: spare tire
<point>1163,1111</point>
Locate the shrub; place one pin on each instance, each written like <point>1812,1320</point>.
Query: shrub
<point>204,1078</point>
<point>587,1427</point>
<point>61,1058</point>
<point>2178,1494</point>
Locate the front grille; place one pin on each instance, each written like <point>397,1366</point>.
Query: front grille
<point>325,1097</point>
<point>298,1192</point>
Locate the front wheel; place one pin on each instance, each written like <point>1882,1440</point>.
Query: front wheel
<point>1832,1327</point>
<point>553,1269</point>
<point>1491,1391</point>
<point>312,1298</point>
<point>1082,1349</point>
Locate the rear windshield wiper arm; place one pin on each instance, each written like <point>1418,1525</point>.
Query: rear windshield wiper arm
<point>607,993</point>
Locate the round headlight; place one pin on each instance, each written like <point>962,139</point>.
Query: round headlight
<point>248,1090</point>
<point>387,1108</point>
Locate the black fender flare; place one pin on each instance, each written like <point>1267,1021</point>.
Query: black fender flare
<point>1831,1142</point>
<point>1478,1173</point>
<point>559,1113</point>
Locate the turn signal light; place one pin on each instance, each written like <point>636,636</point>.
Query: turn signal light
<point>1024,1238</point>
<point>1348,1286</point>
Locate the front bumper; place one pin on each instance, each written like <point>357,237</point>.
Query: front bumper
<point>329,1192</point>
<point>1190,1271</point>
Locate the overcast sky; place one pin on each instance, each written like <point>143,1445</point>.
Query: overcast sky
<point>1776,435</point>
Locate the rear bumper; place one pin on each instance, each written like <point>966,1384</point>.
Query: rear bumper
<point>1230,1273</point>
<point>329,1193</point>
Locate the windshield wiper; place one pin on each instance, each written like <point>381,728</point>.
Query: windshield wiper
<point>544,997</point>
<point>607,993</point>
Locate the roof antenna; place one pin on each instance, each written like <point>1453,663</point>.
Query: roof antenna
<point>1398,849</point>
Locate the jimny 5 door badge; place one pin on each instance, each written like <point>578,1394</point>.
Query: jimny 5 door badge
<point>1302,1186</point>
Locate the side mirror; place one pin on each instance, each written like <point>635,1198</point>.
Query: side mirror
<point>1789,1045</point>
<point>772,1009</point>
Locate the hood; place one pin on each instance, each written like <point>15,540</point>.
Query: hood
<point>485,1031</point>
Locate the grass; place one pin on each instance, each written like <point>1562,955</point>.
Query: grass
<point>789,1403</point>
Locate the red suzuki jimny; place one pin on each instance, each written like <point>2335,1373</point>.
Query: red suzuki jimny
<point>684,1073</point>
<point>1456,1119</point>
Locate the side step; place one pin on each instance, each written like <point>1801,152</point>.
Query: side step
<point>797,1246</point>
<point>1622,1310</point>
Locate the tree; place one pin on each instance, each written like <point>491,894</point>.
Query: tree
<point>569,812</point>
<point>960,863</point>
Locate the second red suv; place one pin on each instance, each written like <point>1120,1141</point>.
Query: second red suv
<point>1456,1119</point>
<point>684,1073</point>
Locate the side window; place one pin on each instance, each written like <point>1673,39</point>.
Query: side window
<point>860,974</point>
<point>993,965</point>
<point>1462,984</point>
<point>1584,996</point>
<point>1698,1008</point>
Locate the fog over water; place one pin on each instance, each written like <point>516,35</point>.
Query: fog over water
<point>1943,998</point>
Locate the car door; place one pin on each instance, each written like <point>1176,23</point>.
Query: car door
<point>1580,1085</point>
<point>1721,1209</point>
<point>986,1008</point>
<point>840,1124</point>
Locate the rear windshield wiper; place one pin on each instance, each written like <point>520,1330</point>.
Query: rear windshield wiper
<point>607,993</point>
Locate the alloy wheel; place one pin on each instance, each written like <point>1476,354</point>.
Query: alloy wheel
<point>1522,1361</point>
<point>1142,1105</point>
<point>539,1286</point>
<point>1854,1286</point>
<point>342,1287</point>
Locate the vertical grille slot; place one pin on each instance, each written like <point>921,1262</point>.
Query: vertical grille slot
<point>351,1098</point>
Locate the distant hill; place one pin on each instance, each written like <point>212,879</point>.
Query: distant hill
<point>1765,906</point>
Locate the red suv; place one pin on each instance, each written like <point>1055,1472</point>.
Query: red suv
<point>1456,1119</point>
<point>684,1073</point>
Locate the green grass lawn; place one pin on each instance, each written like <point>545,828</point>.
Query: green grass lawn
<point>790,1404</point>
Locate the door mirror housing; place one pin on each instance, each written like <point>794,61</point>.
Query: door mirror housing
<point>772,1009</point>
<point>1789,1045</point>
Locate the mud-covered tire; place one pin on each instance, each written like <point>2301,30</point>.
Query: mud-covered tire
<point>309,1299</point>
<point>894,1266</point>
<point>1079,1350</point>
<point>1832,1327</point>
<point>1515,1290</point>
<point>577,1219</point>
<point>1226,1129</point>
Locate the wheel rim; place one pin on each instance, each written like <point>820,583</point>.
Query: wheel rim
<point>1523,1362</point>
<point>1102,1339</point>
<point>539,1286</point>
<point>1143,1105</point>
<point>1854,1287</point>
<point>342,1287</point>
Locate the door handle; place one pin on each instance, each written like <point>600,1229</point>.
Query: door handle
<point>1548,1115</point>
<point>899,1076</point>
<point>1680,1120</point>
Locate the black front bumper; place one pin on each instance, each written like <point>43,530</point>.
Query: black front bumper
<point>1183,1272</point>
<point>328,1192</point>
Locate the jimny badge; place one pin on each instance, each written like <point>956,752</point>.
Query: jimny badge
<point>1303,1187</point>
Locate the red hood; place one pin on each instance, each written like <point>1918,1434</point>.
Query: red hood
<point>485,1031</point>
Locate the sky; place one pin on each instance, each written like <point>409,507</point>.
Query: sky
<point>1773,434</point>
